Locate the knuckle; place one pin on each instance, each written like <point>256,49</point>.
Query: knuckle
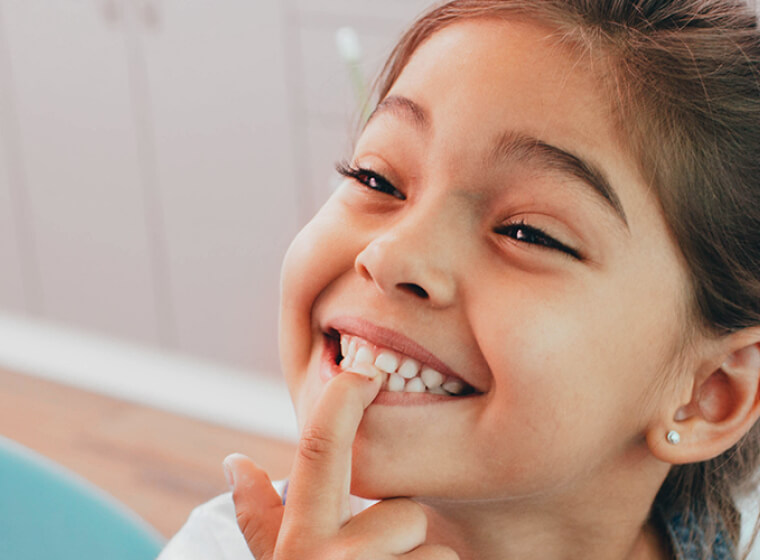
<point>248,528</point>
<point>315,443</point>
<point>244,522</point>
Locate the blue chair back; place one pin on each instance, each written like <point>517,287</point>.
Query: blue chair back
<point>47,512</point>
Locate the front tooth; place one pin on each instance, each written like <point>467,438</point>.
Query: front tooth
<point>364,356</point>
<point>453,385</point>
<point>431,377</point>
<point>395,383</point>
<point>409,368</point>
<point>349,356</point>
<point>352,346</point>
<point>414,385</point>
<point>347,362</point>
<point>387,361</point>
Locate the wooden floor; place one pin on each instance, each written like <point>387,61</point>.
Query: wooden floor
<point>159,464</point>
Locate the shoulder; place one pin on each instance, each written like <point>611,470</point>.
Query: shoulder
<point>211,531</point>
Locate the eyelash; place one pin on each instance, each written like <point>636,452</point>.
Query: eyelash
<point>520,231</point>
<point>366,177</point>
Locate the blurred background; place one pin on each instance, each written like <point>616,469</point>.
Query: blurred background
<point>156,159</point>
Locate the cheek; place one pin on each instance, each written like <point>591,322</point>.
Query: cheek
<point>570,364</point>
<point>541,363</point>
<point>317,257</point>
<point>305,269</point>
<point>325,248</point>
<point>297,289</point>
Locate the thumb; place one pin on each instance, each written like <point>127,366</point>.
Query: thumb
<point>258,507</point>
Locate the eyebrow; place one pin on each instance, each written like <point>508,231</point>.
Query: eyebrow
<point>404,108</point>
<point>514,145</point>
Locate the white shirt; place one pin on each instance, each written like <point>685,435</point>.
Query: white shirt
<point>211,531</point>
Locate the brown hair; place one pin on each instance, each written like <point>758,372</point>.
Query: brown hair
<point>683,78</point>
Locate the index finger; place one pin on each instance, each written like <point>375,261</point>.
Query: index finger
<point>319,485</point>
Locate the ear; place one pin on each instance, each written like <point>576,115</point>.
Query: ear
<point>723,404</point>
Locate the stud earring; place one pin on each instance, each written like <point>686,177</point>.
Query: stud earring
<point>673,437</point>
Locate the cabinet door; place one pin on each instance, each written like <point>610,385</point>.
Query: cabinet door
<point>12,294</point>
<point>87,205</point>
<point>224,165</point>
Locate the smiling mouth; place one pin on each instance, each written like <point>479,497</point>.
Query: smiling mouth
<point>401,373</point>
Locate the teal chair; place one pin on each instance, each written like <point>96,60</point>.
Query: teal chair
<point>49,513</point>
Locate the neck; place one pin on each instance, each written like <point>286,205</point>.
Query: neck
<point>607,520</point>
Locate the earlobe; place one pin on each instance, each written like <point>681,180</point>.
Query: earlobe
<point>724,405</point>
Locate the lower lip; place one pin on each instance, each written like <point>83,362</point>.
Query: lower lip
<point>329,369</point>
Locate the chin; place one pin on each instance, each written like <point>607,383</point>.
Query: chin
<point>376,482</point>
<point>370,484</point>
<point>373,470</point>
<point>378,472</point>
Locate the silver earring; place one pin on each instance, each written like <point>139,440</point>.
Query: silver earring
<point>673,437</point>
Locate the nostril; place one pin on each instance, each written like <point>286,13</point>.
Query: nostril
<point>414,289</point>
<point>363,272</point>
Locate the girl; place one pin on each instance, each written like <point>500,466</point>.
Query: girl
<point>528,322</point>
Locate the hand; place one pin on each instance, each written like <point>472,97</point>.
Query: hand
<point>316,523</point>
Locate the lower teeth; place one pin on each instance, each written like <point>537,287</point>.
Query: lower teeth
<point>415,385</point>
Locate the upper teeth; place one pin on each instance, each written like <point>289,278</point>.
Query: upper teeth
<point>403,373</point>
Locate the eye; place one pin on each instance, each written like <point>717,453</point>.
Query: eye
<point>520,231</point>
<point>369,179</point>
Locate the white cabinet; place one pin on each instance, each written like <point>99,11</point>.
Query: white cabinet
<point>155,143</point>
<point>78,151</point>
<point>13,295</point>
<point>225,172</point>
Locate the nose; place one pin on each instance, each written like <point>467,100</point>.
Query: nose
<point>411,260</point>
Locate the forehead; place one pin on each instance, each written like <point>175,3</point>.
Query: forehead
<point>510,73</point>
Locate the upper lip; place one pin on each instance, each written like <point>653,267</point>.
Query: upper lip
<point>393,340</point>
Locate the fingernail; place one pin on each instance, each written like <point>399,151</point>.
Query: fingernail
<point>366,370</point>
<point>229,473</point>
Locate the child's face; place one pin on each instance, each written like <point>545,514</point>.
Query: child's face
<point>564,341</point>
